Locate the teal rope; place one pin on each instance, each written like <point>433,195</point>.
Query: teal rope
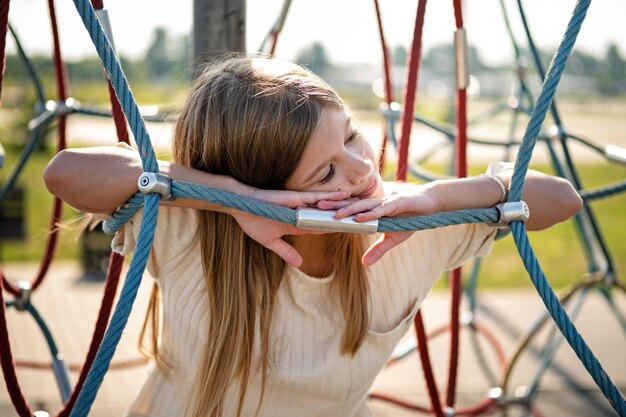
<point>603,192</point>
<point>128,294</point>
<point>520,236</point>
<point>183,189</point>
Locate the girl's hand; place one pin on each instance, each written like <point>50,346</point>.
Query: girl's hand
<point>295,199</point>
<point>405,199</point>
<point>270,233</point>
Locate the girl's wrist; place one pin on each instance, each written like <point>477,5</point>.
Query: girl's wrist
<point>436,192</point>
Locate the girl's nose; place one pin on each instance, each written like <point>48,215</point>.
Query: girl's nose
<point>360,168</point>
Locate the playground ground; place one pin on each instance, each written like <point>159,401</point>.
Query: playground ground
<point>69,304</point>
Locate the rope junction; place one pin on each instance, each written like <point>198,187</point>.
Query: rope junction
<point>118,84</point>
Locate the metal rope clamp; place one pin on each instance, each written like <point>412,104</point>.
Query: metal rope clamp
<point>511,212</point>
<point>151,182</point>
<point>314,219</point>
<point>23,298</point>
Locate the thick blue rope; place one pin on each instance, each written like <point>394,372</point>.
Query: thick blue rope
<point>148,224</point>
<point>520,236</point>
<point>183,189</point>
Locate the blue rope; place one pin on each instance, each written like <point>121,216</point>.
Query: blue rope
<point>602,192</point>
<point>537,276</point>
<point>148,224</point>
<point>565,325</point>
<point>183,189</point>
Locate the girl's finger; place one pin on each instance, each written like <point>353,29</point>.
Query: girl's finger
<point>334,205</point>
<point>359,206</point>
<point>287,252</point>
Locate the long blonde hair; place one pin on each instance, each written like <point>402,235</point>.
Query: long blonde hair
<point>251,118</point>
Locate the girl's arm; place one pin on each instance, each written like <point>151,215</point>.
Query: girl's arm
<point>101,179</point>
<point>550,200</point>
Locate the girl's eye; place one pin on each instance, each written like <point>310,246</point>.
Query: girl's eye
<point>353,135</point>
<point>329,176</point>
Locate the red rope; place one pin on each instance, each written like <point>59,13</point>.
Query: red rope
<point>4,27</point>
<point>275,34</point>
<point>410,91</point>
<point>8,365</point>
<point>481,407</point>
<point>388,84</point>
<point>431,384</point>
<point>455,335</point>
<point>458,13</point>
<point>455,284</point>
<point>486,405</point>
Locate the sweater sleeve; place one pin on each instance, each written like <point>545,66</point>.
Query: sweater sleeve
<point>176,231</point>
<point>457,244</point>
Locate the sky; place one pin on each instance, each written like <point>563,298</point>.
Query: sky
<point>346,27</point>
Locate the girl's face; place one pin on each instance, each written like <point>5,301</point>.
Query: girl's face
<point>337,158</point>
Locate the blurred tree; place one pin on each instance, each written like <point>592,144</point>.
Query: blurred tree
<point>315,58</point>
<point>440,58</point>
<point>157,58</point>
<point>400,56</point>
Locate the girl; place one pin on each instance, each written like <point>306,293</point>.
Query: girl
<point>259,317</point>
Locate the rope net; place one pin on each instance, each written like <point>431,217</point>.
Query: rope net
<point>124,104</point>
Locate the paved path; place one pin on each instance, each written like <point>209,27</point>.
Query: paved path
<point>69,304</point>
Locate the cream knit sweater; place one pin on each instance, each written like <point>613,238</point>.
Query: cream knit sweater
<point>308,375</point>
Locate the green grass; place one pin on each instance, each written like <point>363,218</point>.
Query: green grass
<point>558,249</point>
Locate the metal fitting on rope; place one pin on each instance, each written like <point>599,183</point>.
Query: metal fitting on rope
<point>511,212</point>
<point>522,396</point>
<point>391,110</point>
<point>23,298</point>
<point>61,373</point>
<point>151,182</point>
<point>556,132</point>
<point>498,396</point>
<point>615,153</point>
<point>325,220</point>
<point>61,108</point>
<point>449,412</point>
<point>467,319</point>
<point>41,414</point>
<point>461,58</point>
<point>103,17</point>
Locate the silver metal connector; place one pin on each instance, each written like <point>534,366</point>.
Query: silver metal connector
<point>461,58</point>
<point>151,182</point>
<point>510,212</point>
<point>314,219</point>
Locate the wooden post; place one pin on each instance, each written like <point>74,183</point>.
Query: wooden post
<point>219,26</point>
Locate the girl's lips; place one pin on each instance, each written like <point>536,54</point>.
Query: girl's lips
<point>370,190</point>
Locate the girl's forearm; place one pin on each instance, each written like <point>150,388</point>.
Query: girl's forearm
<point>100,179</point>
<point>550,199</point>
